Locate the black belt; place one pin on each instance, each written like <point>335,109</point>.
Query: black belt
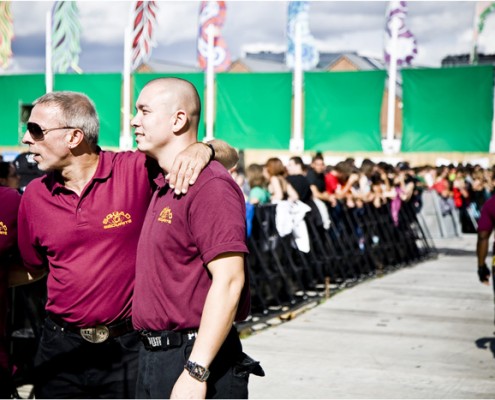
<point>98,333</point>
<point>163,340</point>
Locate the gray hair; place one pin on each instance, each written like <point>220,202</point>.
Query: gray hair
<point>77,110</point>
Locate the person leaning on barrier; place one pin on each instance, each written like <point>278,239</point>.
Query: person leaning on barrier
<point>82,222</point>
<point>191,278</point>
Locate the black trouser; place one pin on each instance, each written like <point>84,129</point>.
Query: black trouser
<point>229,371</point>
<point>67,366</point>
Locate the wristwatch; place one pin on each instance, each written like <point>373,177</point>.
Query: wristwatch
<point>197,371</point>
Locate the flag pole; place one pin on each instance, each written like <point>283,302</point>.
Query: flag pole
<point>126,138</point>
<point>473,59</point>
<point>210,83</point>
<point>48,54</point>
<point>297,142</point>
<point>392,78</point>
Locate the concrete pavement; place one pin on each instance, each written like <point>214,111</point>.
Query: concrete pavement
<point>424,331</point>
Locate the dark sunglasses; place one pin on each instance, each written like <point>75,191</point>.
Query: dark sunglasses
<point>37,133</point>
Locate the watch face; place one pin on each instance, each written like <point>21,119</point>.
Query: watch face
<point>197,371</point>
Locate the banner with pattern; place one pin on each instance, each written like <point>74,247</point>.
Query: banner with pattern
<point>6,34</point>
<point>212,13</point>
<point>298,12</point>
<point>66,36</point>
<point>407,47</point>
<point>143,23</point>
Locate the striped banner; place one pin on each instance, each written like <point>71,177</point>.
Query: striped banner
<point>212,13</point>
<point>143,23</point>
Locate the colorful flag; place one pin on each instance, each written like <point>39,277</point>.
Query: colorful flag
<point>298,13</point>
<point>212,13</point>
<point>66,36</point>
<point>483,9</point>
<point>406,48</point>
<point>6,34</point>
<point>143,22</point>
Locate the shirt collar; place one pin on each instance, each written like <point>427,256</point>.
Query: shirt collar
<point>54,182</point>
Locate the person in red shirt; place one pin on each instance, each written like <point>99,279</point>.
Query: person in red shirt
<point>191,278</point>
<point>82,222</point>
<point>9,199</point>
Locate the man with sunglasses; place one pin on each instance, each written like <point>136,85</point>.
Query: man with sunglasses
<point>82,221</point>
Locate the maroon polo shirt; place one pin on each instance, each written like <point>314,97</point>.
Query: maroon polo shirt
<point>89,242</point>
<point>9,204</point>
<point>486,221</point>
<point>180,236</point>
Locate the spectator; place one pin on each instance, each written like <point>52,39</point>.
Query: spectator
<point>8,175</point>
<point>258,193</point>
<point>298,180</point>
<point>278,186</point>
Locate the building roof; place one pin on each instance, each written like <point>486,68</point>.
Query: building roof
<point>464,59</point>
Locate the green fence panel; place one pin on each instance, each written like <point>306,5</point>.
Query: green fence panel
<point>104,90</point>
<point>254,110</point>
<point>342,110</point>
<point>17,91</point>
<point>196,78</point>
<point>447,109</point>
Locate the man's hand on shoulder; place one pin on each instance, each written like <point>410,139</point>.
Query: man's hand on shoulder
<point>187,166</point>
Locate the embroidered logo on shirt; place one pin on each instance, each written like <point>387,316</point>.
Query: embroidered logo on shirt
<point>166,215</point>
<point>3,229</point>
<point>116,219</point>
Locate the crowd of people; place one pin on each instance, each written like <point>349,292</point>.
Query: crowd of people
<point>463,187</point>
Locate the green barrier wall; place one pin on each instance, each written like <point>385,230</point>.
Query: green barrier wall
<point>104,90</point>
<point>449,109</point>
<point>342,110</point>
<point>254,110</point>
<point>16,90</point>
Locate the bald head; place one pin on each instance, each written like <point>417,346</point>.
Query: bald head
<point>178,94</point>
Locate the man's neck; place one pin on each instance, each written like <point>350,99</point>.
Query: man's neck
<point>79,173</point>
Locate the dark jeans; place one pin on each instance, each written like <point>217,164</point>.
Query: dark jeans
<point>229,374</point>
<point>67,366</point>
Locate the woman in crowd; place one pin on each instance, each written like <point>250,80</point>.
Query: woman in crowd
<point>258,193</point>
<point>278,186</point>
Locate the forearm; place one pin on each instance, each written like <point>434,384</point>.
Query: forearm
<point>218,314</point>
<point>224,153</point>
<point>482,250</point>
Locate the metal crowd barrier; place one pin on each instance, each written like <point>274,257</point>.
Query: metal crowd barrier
<point>360,243</point>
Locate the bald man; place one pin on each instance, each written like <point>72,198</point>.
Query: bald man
<point>191,280</point>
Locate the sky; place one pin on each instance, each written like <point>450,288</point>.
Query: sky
<point>441,28</point>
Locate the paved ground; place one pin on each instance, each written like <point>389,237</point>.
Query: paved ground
<point>425,331</point>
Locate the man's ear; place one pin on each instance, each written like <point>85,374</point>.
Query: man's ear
<point>75,138</point>
<point>180,121</point>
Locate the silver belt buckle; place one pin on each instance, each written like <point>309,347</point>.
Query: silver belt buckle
<point>98,334</point>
